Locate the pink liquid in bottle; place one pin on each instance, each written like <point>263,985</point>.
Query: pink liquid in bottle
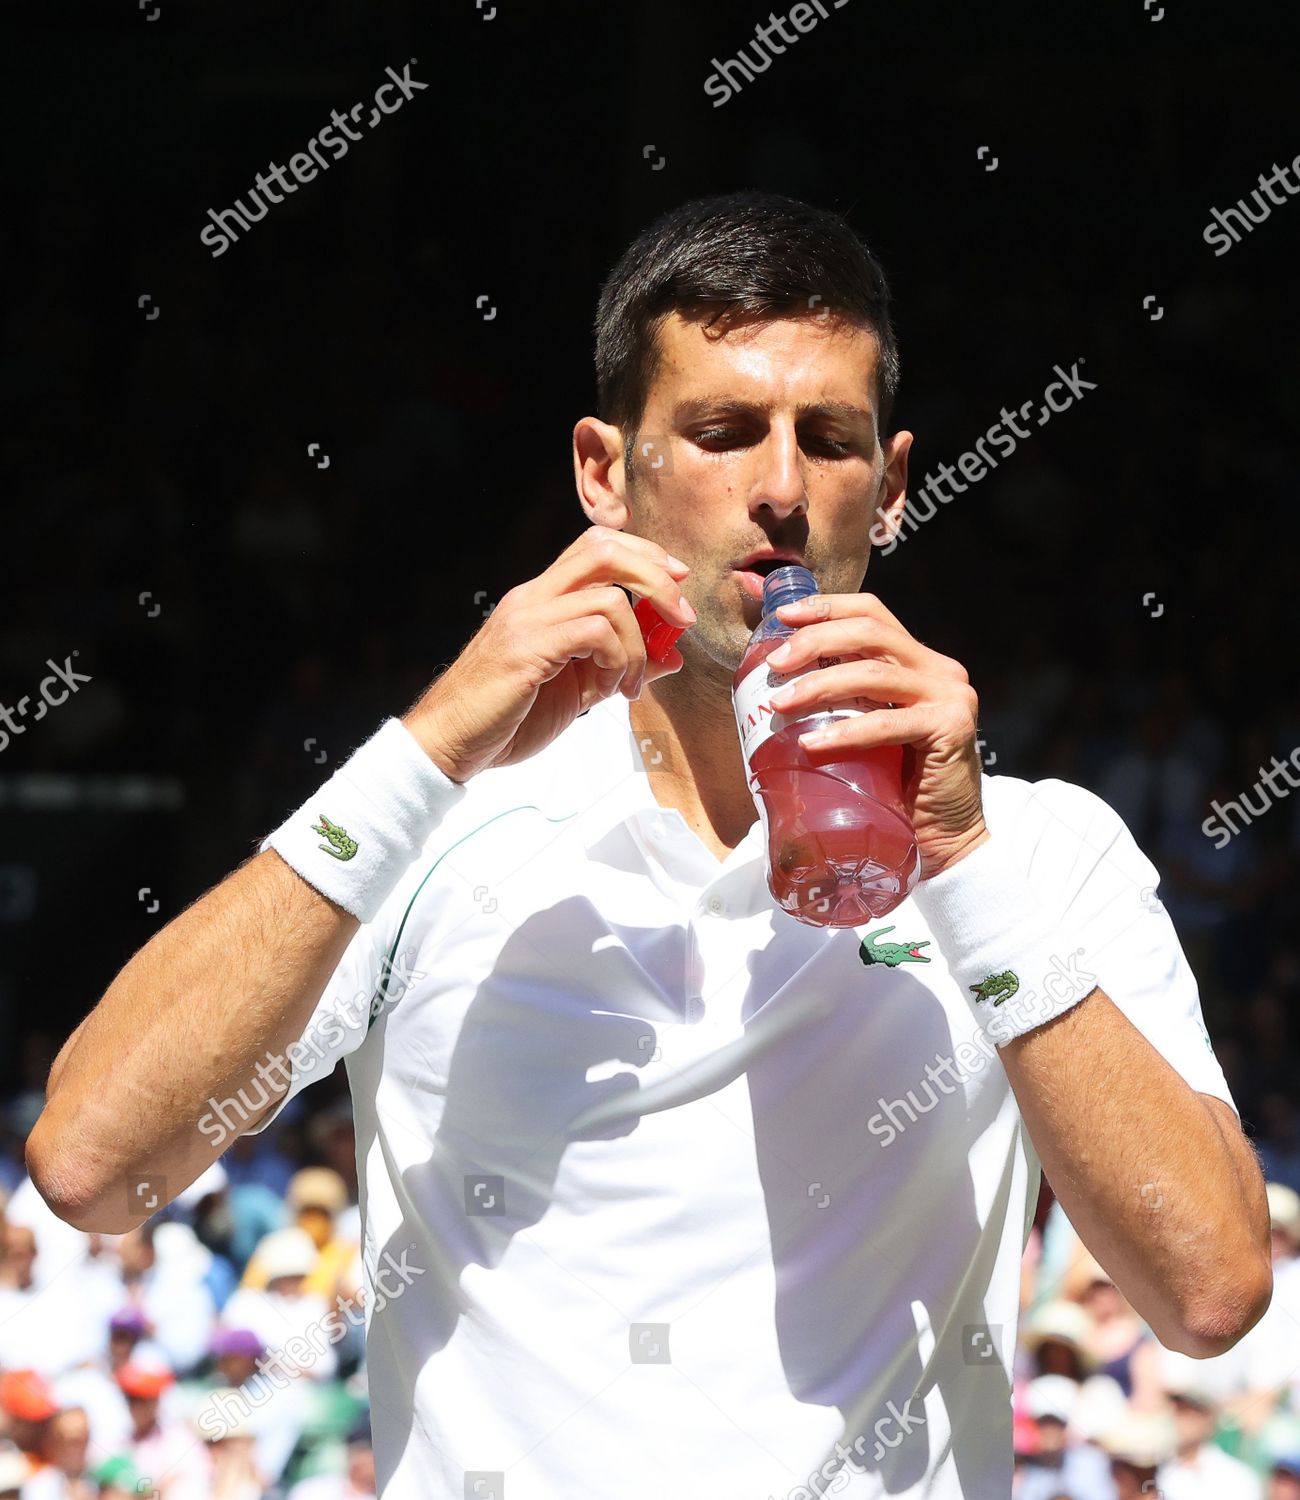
<point>840,849</point>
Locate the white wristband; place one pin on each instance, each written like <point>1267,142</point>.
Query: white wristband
<point>353,839</point>
<point>1016,967</point>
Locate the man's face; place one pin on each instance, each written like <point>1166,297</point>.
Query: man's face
<point>1283,1485</point>
<point>1051,1435</point>
<point>19,1253</point>
<point>121,1341</point>
<point>318,1222</point>
<point>361,1468</point>
<point>144,1412</point>
<point>1193,1423</point>
<point>765,437</point>
<point>66,1441</point>
<point>235,1369</point>
<point>1131,1482</point>
<point>135,1253</point>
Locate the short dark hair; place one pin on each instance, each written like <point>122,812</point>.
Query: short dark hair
<point>744,256</point>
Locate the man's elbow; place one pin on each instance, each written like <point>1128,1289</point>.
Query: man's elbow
<point>1218,1323</point>
<point>66,1187</point>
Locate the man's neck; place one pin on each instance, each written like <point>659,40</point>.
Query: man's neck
<point>688,720</point>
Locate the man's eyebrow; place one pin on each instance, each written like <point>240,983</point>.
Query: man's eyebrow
<point>706,406</point>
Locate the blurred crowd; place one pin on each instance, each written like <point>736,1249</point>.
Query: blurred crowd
<point>184,1359</point>
<point>1104,1412</point>
<point>215,1353</point>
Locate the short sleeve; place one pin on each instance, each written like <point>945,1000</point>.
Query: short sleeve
<point>1081,857</point>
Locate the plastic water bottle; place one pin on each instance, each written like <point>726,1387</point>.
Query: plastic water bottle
<point>840,849</point>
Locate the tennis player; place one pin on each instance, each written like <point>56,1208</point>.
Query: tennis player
<point>666,1193</point>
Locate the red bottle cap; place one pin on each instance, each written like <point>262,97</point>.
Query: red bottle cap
<point>659,636</point>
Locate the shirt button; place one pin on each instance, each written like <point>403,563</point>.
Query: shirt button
<point>717,904</point>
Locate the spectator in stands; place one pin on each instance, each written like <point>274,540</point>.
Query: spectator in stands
<point>1137,1447</point>
<point>277,1411</point>
<point>37,1332</point>
<point>283,1309</point>
<point>357,1482</point>
<point>164,1270</point>
<point>1114,1330</point>
<point>233,1473</point>
<point>205,1206</point>
<point>26,1406</point>
<point>93,1385</point>
<point>1198,1468</point>
<point>13,1473</point>
<point>1284,1477</point>
<point>316,1196</point>
<point>332,1132</point>
<point>1061,1464</point>
<point>1284,1223</point>
<point>119,1479</point>
<point>1055,1338</point>
<point>65,1475</point>
<point>167,1454</point>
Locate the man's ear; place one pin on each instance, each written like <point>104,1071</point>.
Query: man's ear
<point>891,501</point>
<point>598,472</point>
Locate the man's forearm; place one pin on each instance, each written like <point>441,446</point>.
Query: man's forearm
<point>234,977</point>
<point>1158,1180</point>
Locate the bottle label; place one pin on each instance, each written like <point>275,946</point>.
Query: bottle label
<point>757,720</point>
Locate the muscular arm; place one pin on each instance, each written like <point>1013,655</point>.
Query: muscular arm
<point>234,977</point>
<point>1159,1180</point>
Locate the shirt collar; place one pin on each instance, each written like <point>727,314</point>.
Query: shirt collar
<point>621,792</point>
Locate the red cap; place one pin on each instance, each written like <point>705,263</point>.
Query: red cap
<point>143,1380</point>
<point>660,637</point>
<point>26,1394</point>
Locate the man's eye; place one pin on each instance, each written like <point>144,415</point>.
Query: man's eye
<point>735,437</point>
<point>830,445</point>
<point>728,436</point>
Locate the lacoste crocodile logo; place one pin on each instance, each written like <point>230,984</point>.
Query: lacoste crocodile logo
<point>997,987</point>
<point>891,955</point>
<point>339,845</point>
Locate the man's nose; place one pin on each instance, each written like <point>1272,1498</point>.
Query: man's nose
<point>780,484</point>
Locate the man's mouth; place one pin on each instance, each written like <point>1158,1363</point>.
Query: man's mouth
<point>751,571</point>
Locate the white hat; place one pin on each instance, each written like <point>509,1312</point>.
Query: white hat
<point>1217,1380</point>
<point>1052,1396</point>
<point>286,1252</point>
<point>221,1402</point>
<point>1190,1385</point>
<point>213,1180</point>
<point>1065,1322</point>
<point>1101,1406</point>
<point>15,1471</point>
<point>178,1252</point>
<point>1144,1440</point>
<point>1284,1208</point>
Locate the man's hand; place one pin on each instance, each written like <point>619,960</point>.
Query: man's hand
<point>552,647</point>
<point>932,714</point>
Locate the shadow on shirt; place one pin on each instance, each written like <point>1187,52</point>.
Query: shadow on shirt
<point>884,1259</point>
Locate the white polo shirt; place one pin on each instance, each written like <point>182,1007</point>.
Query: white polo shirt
<point>681,1208</point>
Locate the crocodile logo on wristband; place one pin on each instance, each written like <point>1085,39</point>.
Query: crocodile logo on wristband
<point>996,987</point>
<point>339,845</point>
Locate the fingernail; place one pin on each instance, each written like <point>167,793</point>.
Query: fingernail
<point>686,609</point>
<point>676,562</point>
<point>782,653</point>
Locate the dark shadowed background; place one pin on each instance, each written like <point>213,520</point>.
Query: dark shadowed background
<point>1122,588</point>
